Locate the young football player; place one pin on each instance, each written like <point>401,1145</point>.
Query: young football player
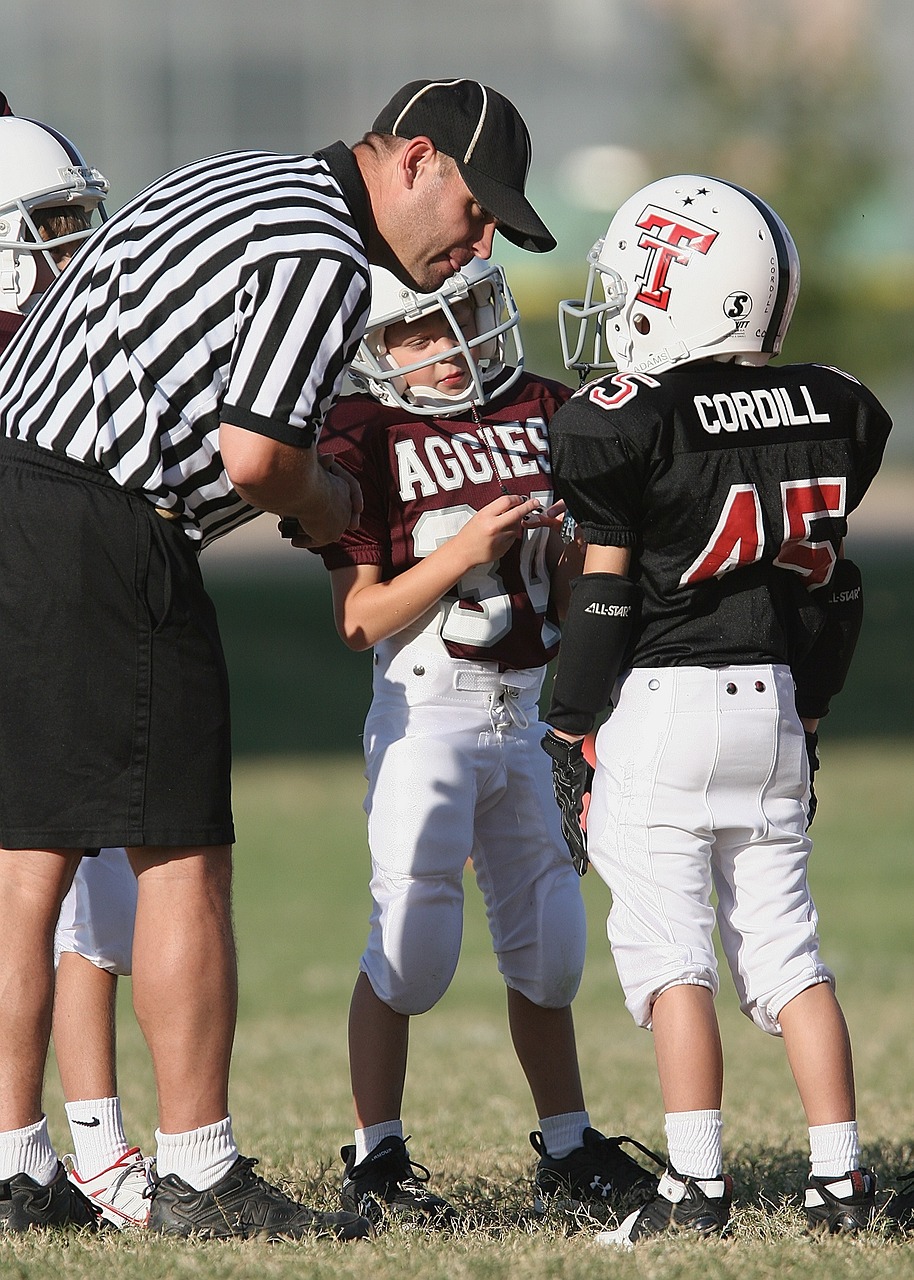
<point>452,577</point>
<point>48,196</point>
<point>713,490</point>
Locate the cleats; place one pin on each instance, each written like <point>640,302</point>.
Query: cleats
<point>388,1184</point>
<point>698,1206</point>
<point>598,1174</point>
<point>120,1193</point>
<point>843,1205</point>
<point>25,1205</point>
<point>241,1206</point>
<point>900,1207</point>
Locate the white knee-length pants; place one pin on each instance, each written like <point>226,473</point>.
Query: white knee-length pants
<point>97,915</point>
<point>702,782</point>
<point>455,771</point>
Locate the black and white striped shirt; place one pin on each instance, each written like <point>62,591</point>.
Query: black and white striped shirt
<point>232,290</point>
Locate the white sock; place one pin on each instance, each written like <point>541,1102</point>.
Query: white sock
<point>367,1139</point>
<point>565,1133</point>
<point>28,1151</point>
<point>97,1127</point>
<point>834,1149</point>
<point>695,1143</point>
<point>201,1157</point>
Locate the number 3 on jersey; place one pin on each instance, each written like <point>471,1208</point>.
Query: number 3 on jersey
<point>739,538</point>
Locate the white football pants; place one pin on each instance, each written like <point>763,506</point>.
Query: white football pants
<point>702,783</point>
<point>97,915</point>
<point>455,771</point>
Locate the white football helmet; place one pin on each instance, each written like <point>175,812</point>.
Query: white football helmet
<point>484,285</point>
<point>39,169</point>
<point>690,267</point>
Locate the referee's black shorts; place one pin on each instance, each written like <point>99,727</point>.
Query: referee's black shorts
<point>114,711</point>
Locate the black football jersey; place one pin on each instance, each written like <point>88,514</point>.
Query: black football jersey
<point>732,485</point>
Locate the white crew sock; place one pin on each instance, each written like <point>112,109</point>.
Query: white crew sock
<point>834,1149</point>
<point>28,1151</point>
<point>97,1127</point>
<point>565,1133</point>
<point>367,1139</point>
<point>201,1157</point>
<point>694,1142</point>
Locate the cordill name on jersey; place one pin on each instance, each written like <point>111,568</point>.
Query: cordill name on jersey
<point>775,458</point>
<point>234,289</point>
<point>422,478</point>
<point>756,410</point>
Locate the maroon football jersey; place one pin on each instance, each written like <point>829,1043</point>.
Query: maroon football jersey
<point>10,324</point>
<point>422,478</point>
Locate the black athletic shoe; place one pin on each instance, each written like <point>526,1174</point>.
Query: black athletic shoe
<point>242,1205</point>
<point>598,1174</point>
<point>841,1206</point>
<point>900,1207</point>
<point>25,1205</point>
<point>681,1204</point>
<point>387,1182</point>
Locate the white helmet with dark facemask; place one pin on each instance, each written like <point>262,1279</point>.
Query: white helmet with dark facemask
<point>492,346</point>
<point>690,268</point>
<point>39,169</point>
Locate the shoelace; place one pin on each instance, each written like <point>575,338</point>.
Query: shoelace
<point>146,1164</point>
<point>617,1142</point>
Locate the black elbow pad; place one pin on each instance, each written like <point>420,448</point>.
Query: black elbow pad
<point>821,674</point>
<point>602,614</point>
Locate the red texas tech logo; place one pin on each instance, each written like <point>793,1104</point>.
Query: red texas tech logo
<point>668,238</point>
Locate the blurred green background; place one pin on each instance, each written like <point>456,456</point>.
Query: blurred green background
<point>296,689</point>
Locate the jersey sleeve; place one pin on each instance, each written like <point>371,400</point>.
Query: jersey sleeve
<point>357,442</point>
<point>596,470</point>
<point>297,324</point>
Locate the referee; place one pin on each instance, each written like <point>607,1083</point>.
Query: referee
<point>169,387</point>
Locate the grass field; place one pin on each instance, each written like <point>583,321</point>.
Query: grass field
<point>301,909</point>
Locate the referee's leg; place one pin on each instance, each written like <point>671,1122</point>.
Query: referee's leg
<point>185,979</point>
<point>33,883</point>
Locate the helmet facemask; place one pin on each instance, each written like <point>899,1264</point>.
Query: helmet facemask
<point>40,171</point>
<point>482,347</point>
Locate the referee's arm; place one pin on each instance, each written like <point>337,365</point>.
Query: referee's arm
<point>324,498</point>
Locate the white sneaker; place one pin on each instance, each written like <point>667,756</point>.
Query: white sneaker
<point>121,1192</point>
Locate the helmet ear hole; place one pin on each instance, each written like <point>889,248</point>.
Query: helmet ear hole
<point>641,324</point>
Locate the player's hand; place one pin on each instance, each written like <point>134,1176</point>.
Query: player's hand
<point>572,779</point>
<point>551,517</point>
<point>812,755</point>
<point>489,532</point>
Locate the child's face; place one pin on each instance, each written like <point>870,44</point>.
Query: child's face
<point>410,341</point>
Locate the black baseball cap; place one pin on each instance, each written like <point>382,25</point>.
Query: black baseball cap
<point>485,134</point>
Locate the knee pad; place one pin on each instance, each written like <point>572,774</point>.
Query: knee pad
<point>547,968</point>
<point>414,943</point>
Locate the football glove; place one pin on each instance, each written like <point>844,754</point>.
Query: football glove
<point>572,778</point>
<point>812,755</point>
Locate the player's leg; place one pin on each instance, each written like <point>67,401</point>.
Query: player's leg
<point>103,1165</point>
<point>378,1047</point>
<point>650,835</point>
<point>420,811</point>
<point>538,926</point>
<point>93,944</point>
<point>547,1051</point>
<point>84,1028</point>
<point>768,928</point>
